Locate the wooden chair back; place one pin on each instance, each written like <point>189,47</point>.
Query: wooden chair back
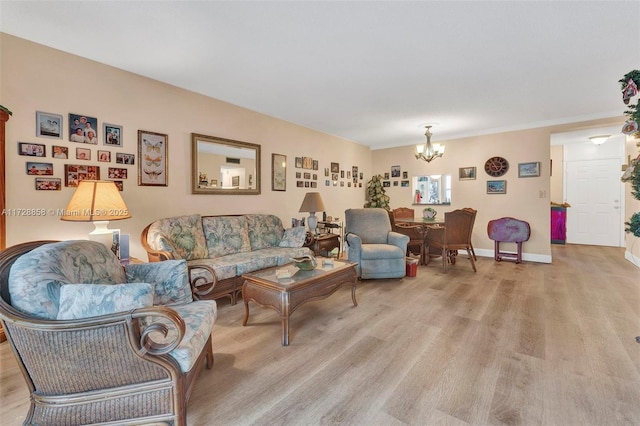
<point>403,213</point>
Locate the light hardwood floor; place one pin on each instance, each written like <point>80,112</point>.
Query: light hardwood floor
<point>529,344</point>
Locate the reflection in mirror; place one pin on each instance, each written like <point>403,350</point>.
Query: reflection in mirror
<point>434,189</point>
<point>224,166</point>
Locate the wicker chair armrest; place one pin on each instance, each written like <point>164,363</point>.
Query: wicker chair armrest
<point>199,286</point>
<point>147,345</point>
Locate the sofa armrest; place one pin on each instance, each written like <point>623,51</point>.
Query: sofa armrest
<point>397,239</point>
<point>153,254</point>
<point>200,285</point>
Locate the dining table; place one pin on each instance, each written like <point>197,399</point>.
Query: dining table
<point>425,225</point>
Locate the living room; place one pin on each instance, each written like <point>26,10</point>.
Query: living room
<point>507,353</point>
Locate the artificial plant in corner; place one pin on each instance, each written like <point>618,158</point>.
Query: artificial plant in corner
<point>376,196</point>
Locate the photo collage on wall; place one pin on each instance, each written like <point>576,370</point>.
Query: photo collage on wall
<point>396,178</point>
<point>83,144</point>
<point>333,175</point>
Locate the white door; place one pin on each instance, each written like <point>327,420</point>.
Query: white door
<point>594,193</point>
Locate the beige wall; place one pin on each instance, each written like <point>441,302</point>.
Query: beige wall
<point>526,198</point>
<point>37,78</point>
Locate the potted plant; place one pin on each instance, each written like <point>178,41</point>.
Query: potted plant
<point>376,196</point>
<point>630,83</point>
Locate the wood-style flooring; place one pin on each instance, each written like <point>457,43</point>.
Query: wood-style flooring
<point>527,344</point>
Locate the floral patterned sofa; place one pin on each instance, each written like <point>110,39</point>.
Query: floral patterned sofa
<point>219,249</point>
<point>99,343</point>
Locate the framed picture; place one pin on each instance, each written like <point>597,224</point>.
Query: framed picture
<point>112,134</point>
<point>83,154</point>
<point>386,183</point>
<point>529,169</point>
<point>117,173</point>
<point>467,173</point>
<point>61,152</point>
<point>122,158</point>
<point>75,173</point>
<point>48,125</point>
<point>496,187</point>
<point>39,169</point>
<point>404,183</point>
<point>326,171</point>
<point>335,167</point>
<point>298,162</point>
<point>152,158</point>
<point>83,129</point>
<point>307,163</point>
<point>119,185</point>
<point>315,164</point>
<point>104,156</point>
<point>395,171</point>
<point>32,149</point>
<point>278,172</point>
<point>386,175</point>
<point>306,175</point>
<point>405,175</point>
<point>48,184</point>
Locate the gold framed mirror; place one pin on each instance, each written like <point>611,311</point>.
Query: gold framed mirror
<point>224,166</point>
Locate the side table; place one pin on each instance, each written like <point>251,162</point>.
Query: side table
<point>324,243</point>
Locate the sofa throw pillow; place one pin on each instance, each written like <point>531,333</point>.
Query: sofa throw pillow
<point>293,237</point>
<point>170,280</point>
<point>91,300</point>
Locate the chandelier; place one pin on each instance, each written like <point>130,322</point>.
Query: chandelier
<point>428,152</point>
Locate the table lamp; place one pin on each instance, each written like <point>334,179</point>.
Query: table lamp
<point>312,203</point>
<point>97,201</point>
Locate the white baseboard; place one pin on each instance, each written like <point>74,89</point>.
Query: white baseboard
<point>633,259</point>
<point>531,257</point>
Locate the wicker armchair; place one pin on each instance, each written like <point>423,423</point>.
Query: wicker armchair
<point>131,367</point>
<point>416,233</point>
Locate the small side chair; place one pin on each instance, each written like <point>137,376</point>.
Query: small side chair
<point>453,236</point>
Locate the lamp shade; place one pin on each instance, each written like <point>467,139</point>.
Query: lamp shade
<point>96,200</point>
<point>312,203</point>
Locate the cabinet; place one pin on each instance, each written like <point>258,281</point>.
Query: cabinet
<point>324,243</point>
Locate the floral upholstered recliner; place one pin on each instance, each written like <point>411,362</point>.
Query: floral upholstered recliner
<point>100,343</point>
<point>219,249</point>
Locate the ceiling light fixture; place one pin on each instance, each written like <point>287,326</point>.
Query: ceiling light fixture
<point>599,140</point>
<point>428,152</point>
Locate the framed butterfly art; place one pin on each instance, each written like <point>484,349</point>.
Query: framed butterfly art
<point>152,158</point>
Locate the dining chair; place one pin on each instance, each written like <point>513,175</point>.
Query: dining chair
<point>453,236</point>
<point>473,212</point>
<point>416,233</point>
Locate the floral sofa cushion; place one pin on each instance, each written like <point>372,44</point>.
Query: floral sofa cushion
<point>170,280</point>
<point>265,230</point>
<point>90,300</point>
<point>226,235</point>
<point>293,237</point>
<point>181,235</point>
<point>36,277</point>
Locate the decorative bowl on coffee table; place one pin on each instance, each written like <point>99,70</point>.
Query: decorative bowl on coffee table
<point>305,263</point>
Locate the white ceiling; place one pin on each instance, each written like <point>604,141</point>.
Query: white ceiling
<point>373,72</point>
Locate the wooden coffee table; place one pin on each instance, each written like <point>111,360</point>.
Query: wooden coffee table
<point>284,295</point>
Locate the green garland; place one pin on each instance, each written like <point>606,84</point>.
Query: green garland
<point>634,110</point>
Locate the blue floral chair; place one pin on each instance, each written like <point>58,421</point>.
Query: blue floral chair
<point>99,343</point>
<point>378,251</point>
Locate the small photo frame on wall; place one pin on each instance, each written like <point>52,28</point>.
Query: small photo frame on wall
<point>467,173</point>
<point>48,184</point>
<point>496,187</point>
<point>32,149</point>
<point>48,125</point>
<point>112,134</point>
<point>104,156</point>
<point>75,173</point>
<point>88,127</point>
<point>278,172</point>
<point>39,169</point>
<point>60,152</point>
<point>335,167</point>
<point>117,173</point>
<point>122,158</point>
<point>529,169</point>
<point>83,154</point>
<point>152,158</point>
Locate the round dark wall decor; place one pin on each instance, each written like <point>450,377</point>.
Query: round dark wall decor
<point>496,166</point>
